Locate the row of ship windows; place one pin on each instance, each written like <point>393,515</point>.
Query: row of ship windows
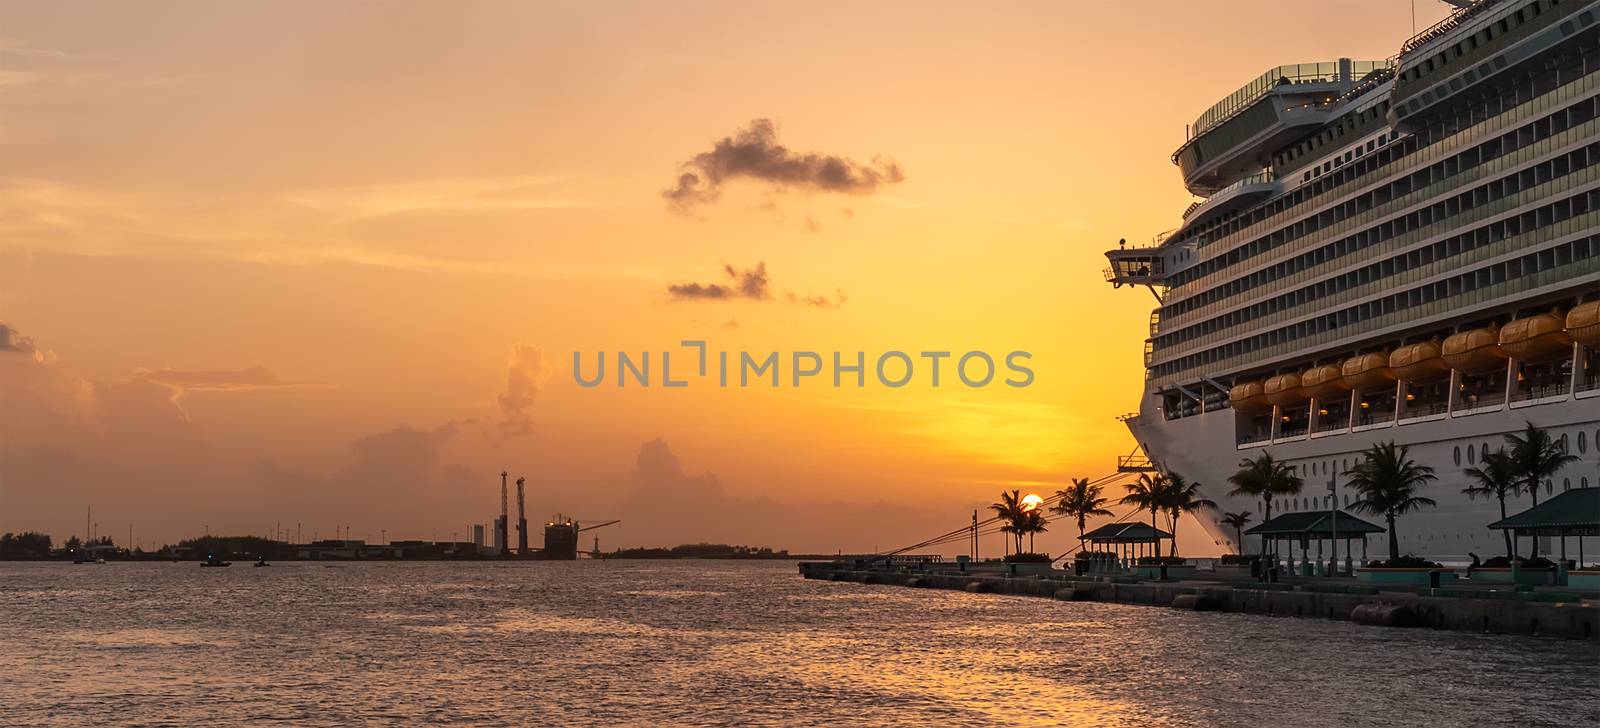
<point>1349,156</point>
<point>1583,449</point>
<point>1443,128</point>
<point>1472,198</point>
<point>1482,37</point>
<point>1585,250</point>
<point>1502,145</point>
<point>1347,125</point>
<point>1527,222</point>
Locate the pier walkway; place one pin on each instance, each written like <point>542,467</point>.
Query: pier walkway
<point>1471,608</point>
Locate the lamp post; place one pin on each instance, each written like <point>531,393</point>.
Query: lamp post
<point>1333,495</point>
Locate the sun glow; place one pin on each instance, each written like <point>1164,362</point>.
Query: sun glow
<point>1031,502</point>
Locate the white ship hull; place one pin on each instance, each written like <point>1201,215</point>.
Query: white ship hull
<point>1203,449</point>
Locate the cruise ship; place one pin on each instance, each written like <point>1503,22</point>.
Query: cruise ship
<point>1404,249</point>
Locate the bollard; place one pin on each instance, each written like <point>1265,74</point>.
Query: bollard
<point>1433,578</point>
<point>1163,571</point>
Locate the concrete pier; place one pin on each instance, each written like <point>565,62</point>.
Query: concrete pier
<point>1503,612</point>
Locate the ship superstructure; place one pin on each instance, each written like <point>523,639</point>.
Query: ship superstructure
<point>1403,249</point>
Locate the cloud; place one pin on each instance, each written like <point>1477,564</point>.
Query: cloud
<point>524,375</point>
<point>221,381</point>
<point>15,343</point>
<point>753,153</point>
<point>838,300</point>
<point>753,284</point>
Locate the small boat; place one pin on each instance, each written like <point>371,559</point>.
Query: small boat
<point>212,560</point>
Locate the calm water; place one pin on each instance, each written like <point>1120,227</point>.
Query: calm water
<point>715,643</point>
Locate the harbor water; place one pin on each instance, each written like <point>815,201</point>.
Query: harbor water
<point>715,642</point>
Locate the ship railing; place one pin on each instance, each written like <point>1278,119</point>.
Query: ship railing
<point>1590,382</point>
<point>1254,438</point>
<point>1446,25</point>
<point>1135,463</point>
<point>1541,391</point>
<point>1330,425</point>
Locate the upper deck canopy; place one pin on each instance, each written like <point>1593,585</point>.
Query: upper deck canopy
<point>1238,135</point>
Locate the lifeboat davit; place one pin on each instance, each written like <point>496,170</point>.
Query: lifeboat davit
<point>1284,390</point>
<point>1419,362</point>
<point>1368,372</point>
<point>1474,351</point>
<point>1325,383</point>
<point>1249,398</point>
<point>1583,323</point>
<point>1536,337</point>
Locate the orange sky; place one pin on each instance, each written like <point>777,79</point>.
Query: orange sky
<point>275,260</point>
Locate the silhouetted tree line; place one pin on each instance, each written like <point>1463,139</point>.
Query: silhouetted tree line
<point>27,545</point>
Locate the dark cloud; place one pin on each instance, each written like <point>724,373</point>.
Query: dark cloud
<point>13,342</point>
<point>227,381</point>
<point>838,300</point>
<point>524,375</point>
<point>753,153</point>
<point>753,284</point>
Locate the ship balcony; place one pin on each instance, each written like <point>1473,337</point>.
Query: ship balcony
<point>1136,267</point>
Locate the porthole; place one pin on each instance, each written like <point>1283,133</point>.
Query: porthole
<point>1583,482</point>
<point>1483,449</point>
<point>1549,487</point>
<point>1566,483</point>
<point>1458,455</point>
<point>1563,442</point>
<point>1471,457</point>
<point>1583,442</point>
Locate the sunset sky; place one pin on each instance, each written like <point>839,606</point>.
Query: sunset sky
<point>328,263</point>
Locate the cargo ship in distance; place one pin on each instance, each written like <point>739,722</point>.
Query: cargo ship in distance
<point>1405,249</point>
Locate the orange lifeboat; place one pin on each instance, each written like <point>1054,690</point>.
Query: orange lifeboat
<point>1419,362</point>
<point>1249,398</point>
<point>1325,383</point>
<point>1368,372</point>
<point>1583,323</point>
<point>1474,351</point>
<point>1536,337</point>
<point>1284,390</point>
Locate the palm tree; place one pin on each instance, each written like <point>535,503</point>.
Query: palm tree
<point>1148,493</point>
<point>1265,478</point>
<point>1182,497</point>
<point>1387,482</point>
<point>1238,521</point>
<point>1536,456</point>
<point>1495,477</point>
<point>1011,510</point>
<point>1081,501</point>
<point>1034,522</point>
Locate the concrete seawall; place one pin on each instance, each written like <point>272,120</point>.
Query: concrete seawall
<point>1451,609</point>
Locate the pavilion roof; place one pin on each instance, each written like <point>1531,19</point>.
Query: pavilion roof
<point>1572,512</point>
<point>1314,524</point>
<point>1126,533</point>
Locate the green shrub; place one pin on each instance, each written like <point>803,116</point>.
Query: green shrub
<point>1028,558</point>
<point>1239,559</point>
<point>1095,556</point>
<point>1159,560</point>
